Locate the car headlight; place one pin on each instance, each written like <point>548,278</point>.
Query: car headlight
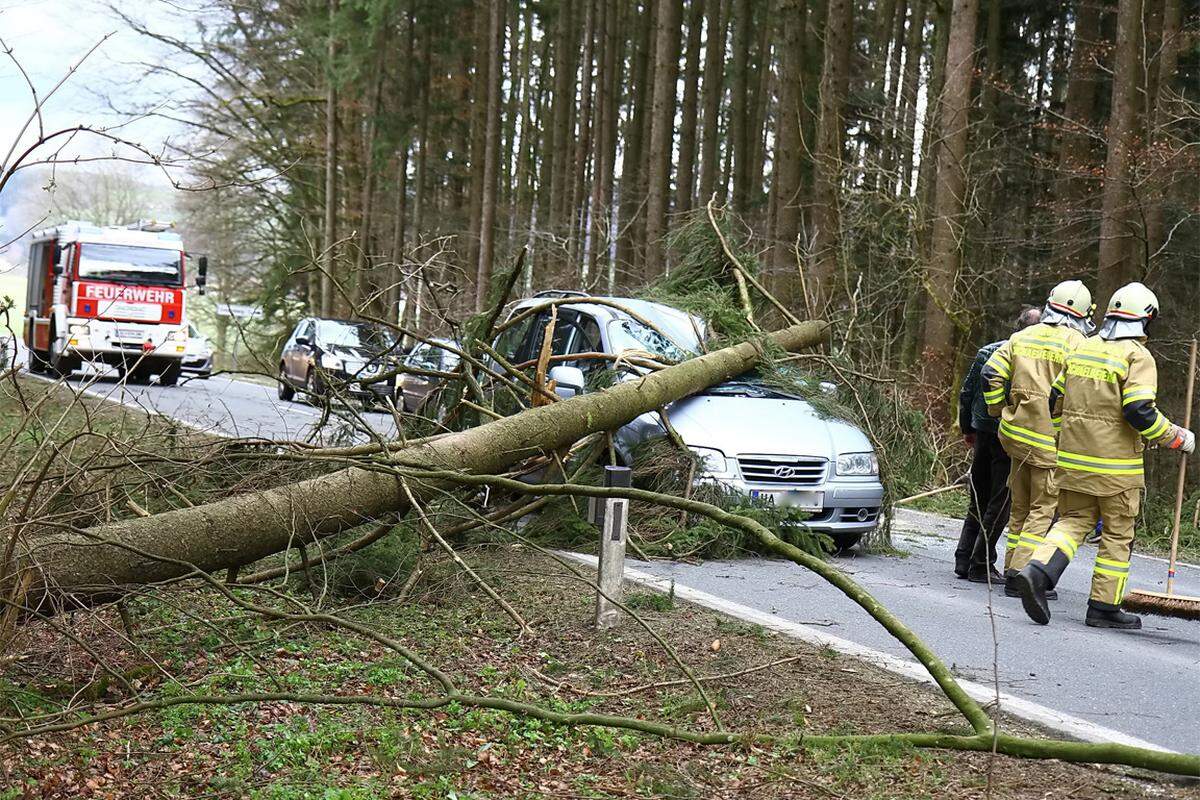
<point>330,361</point>
<point>857,464</point>
<point>712,462</point>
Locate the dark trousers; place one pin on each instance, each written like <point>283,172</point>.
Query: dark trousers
<point>989,506</point>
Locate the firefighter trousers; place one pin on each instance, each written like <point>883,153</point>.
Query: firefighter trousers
<point>1077,516</point>
<point>1034,499</point>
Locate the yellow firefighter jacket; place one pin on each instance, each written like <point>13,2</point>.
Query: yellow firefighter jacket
<point>1106,394</point>
<point>1017,382</point>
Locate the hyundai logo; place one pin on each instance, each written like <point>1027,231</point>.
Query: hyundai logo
<point>786,472</point>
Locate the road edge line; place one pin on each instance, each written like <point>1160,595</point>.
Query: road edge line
<point>1066,724</point>
<point>132,403</point>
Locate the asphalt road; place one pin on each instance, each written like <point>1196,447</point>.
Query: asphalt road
<point>1144,684</point>
<point>237,408</point>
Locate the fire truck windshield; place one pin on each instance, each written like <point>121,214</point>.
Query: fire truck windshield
<point>127,264</point>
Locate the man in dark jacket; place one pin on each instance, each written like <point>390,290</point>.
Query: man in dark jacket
<point>989,505</point>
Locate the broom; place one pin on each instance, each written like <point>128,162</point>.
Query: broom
<point>1169,604</point>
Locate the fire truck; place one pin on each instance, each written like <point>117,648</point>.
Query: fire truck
<point>109,295</point>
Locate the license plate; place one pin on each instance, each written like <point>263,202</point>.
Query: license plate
<point>800,500</point>
<point>128,333</point>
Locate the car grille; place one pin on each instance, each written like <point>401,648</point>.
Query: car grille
<point>783,470</point>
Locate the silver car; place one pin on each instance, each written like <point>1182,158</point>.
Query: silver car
<point>198,357</point>
<point>750,437</point>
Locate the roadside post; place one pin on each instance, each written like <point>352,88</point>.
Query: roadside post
<point>611,515</point>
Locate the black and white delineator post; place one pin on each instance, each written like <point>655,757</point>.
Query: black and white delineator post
<point>611,515</point>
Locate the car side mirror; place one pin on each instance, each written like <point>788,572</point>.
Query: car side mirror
<point>568,381</point>
<point>201,273</point>
<point>303,340</point>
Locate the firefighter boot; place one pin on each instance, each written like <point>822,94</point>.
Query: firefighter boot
<point>1011,587</point>
<point>1106,615</point>
<point>1036,581</point>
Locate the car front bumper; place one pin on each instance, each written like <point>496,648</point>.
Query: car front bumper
<point>199,365</point>
<point>849,505</point>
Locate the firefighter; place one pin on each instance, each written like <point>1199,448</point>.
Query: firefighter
<point>1017,382</point>
<point>1106,398</point>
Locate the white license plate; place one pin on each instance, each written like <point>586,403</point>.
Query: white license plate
<point>800,500</point>
<point>129,333</point>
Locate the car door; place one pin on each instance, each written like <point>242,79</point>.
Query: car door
<point>294,353</point>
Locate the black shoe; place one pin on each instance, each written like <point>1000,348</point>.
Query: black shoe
<point>1103,615</point>
<point>1032,584</point>
<point>1011,589</point>
<point>981,575</point>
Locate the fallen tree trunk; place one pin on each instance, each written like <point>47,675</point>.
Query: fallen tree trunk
<point>77,567</point>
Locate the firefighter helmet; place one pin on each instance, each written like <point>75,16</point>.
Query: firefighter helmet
<point>1073,298</point>
<point>1130,310</point>
<point>1070,303</point>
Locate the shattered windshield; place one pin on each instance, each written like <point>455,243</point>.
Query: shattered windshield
<point>629,334</point>
<point>153,265</point>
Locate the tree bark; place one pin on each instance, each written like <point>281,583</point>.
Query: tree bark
<point>739,104</point>
<point>662,131</point>
<point>950,206</point>
<point>789,152</point>
<point>914,49</point>
<point>1162,167</point>
<point>1075,154</point>
<point>685,194</point>
<point>491,154</point>
<point>632,184</point>
<point>714,89</point>
<point>1117,223</point>
<point>828,155</point>
<point>329,238</point>
<point>70,568</point>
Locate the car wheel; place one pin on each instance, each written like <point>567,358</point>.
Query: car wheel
<point>845,541</point>
<point>286,392</point>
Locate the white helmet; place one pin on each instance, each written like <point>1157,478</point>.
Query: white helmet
<point>1070,303</point>
<point>1073,298</point>
<point>1130,310</point>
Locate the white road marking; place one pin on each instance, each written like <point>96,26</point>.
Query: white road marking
<point>1065,724</point>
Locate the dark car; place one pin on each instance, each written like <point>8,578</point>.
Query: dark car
<point>430,356</point>
<point>339,358</point>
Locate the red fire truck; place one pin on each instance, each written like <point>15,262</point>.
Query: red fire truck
<point>108,295</point>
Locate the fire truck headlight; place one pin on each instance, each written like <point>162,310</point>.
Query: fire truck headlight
<point>79,329</point>
<point>178,336</point>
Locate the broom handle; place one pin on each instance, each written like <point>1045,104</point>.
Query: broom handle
<point>1182,484</point>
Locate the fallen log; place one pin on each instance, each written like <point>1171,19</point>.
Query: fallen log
<point>56,568</point>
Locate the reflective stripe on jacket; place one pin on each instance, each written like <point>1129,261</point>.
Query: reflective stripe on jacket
<point>1017,382</point>
<point>1106,394</point>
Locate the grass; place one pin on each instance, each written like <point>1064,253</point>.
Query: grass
<point>291,751</point>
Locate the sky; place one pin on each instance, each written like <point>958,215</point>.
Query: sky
<point>48,37</point>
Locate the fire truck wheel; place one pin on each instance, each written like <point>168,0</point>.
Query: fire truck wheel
<point>170,375</point>
<point>286,392</point>
<point>37,362</point>
<point>137,375</point>
<point>62,366</point>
